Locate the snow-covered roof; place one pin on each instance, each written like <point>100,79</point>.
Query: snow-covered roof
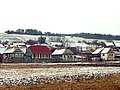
<point>117,44</point>
<point>56,43</point>
<point>12,49</point>
<point>82,44</point>
<point>1,45</point>
<point>117,53</point>
<point>45,45</point>
<point>109,43</point>
<point>62,51</point>
<point>97,51</point>
<point>2,49</point>
<point>28,46</point>
<point>23,49</point>
<point>58,52</point>
<point>19,44</point>
<point>74,44</point>
<point>9,50</point>
<point>105,50</point>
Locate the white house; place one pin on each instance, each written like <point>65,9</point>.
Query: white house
<point>107,54</point>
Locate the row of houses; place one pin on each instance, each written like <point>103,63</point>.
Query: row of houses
<point>106,54</point>
<point>24,53</point>
<point>41,53</point>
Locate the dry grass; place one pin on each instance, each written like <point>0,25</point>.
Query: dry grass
<point>109,83</point>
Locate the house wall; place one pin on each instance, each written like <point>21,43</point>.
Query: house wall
<point>41,56</point>
<point>104,56</point>
<point>67,57</point>
<point>37,57</point>
<point>14,58</point>
<point>108,56</point>
<point>111,56</point>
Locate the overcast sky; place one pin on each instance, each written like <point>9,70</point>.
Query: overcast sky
<point>61,16</point>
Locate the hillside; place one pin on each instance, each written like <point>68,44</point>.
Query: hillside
<point>16,37</point>
<point>23,38</point>
<point>83,35</point>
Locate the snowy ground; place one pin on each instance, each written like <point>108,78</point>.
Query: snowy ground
<point>24,73</point>
<point>26,76</point>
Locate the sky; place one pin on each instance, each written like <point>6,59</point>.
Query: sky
<point>61,16</point>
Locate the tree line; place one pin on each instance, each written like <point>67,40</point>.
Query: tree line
<point>24,31</point>
<point>84,35</point>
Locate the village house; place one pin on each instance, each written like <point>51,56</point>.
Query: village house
<point>14,54</point>
<point>40,53</point>
<point>63,54</point>
<point>74,50</point>
<point>97,54</point>
<point>86,55</point>
<point>107,54</point>
<point>80,54</point>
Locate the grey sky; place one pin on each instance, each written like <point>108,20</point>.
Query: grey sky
<point>61,16</point>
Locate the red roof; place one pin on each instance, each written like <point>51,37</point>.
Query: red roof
<point>40,49</point>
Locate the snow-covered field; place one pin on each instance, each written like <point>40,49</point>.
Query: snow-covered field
<point>16,37</point>
<point>20,73</point>
<point>42,75</point>
<point>19,38</point>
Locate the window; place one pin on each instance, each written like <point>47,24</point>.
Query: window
<point>47,55</point>
<point>36,55</point>
<point>19,55</point>
<point>111,54</point>
<point>44,55</point>
<point>33,55</point>
<point>22,55</point>
<point>10,55</point>
<point>39,55</point>
<point>16,55</point>
<point>13,55</point>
